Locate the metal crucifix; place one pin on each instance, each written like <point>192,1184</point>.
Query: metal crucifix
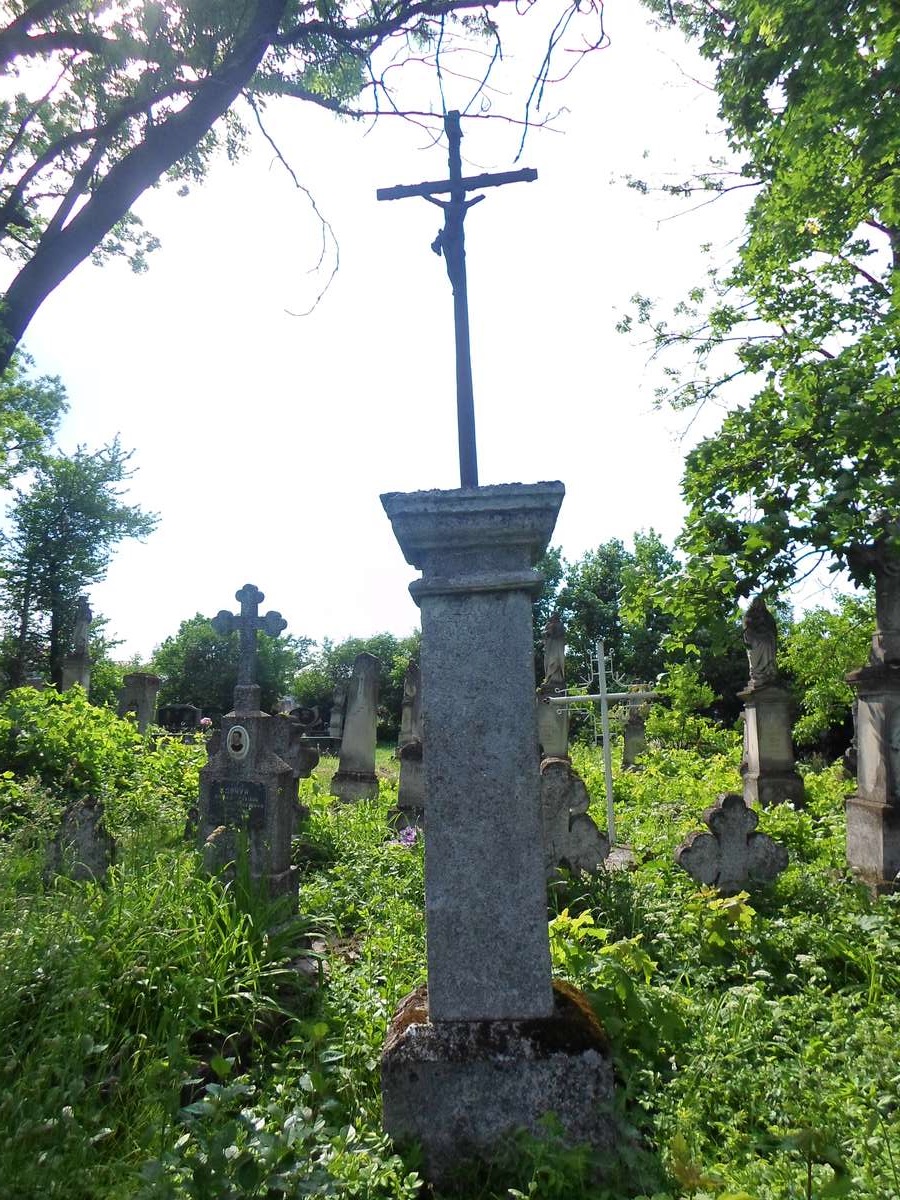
<point>451,243</point>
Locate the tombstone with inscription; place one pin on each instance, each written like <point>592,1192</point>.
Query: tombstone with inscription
<point>247,787</point>
<point>873,813</point>
<point>732,855</point>
<point>490,1046</point>
<point>77,665</point>
<point>355,778</point>
<point>410,810</point>
<point>138,696</point>
<point>768,768</point>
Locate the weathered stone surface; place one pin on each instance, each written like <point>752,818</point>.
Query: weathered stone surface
<point>82,848</point>
<point>571,839</point>
<point>411,707</point>
<point>355,778</point>
<point>76,666</point>
<point>410,808</point>
<point>485,887</point>
<point>336,719</point>
<point>873,814</point>
<point>760,638</point>
<point>462,1088</point>
<point>634,735</point>
<point>731,856</point>
<point>553,719</point>
<point>138,696</point>
<point>769,773</point>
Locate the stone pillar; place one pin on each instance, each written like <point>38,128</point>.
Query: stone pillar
<point>336,719</point>
<point>478,1053</point>
<point>634,735</point>
<point>247,799</point>
<point>355,778</point>
<point>873,814</point>
<point>411,788</point>
<point>553,719</point>
<point>770,776</point>
<point>76,670</point>
<point>138,696</point>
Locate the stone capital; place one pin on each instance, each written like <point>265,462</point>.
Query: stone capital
<point>500,530</point>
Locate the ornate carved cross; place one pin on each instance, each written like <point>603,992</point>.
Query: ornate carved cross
<point>451,243</point>
<point>732,854</point>
<point>248,622</point>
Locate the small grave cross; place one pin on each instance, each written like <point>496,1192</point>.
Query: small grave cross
<point>248,622</point>
<point>732,854</point>
<point>450,242</point>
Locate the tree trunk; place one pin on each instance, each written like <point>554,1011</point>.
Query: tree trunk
<point>57,256</point>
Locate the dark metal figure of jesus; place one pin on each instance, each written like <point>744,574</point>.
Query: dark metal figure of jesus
<point>451,243</point>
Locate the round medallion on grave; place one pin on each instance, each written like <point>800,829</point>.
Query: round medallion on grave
<point>237,742</point>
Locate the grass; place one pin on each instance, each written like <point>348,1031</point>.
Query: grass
<point>158,1042</point>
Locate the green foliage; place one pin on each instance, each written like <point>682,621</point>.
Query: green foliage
<point>59,748</point>
<point>808,313</point>
<point>199,666</point>
<point>679,723</point>
<point>63,530</point>
<point>30,412</point>
<point>819,651</point>
<point>315,684</point>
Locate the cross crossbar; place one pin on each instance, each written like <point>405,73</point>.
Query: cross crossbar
<point>450,242</point>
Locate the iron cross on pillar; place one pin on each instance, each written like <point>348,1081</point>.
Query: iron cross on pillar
<point>451,243</point>
<point>247,622</point>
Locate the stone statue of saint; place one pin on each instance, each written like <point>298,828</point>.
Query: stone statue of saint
<point>760,636</point>
<point>554,655</point>
<point>82,629</point>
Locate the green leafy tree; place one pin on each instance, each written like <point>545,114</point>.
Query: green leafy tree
<point>30,411</point>
<point>109,99</point>
<point>62,533</point>
<point>333,664</point>
<point>199,666</point>
<point>818,652</point>
<point>807,316</point>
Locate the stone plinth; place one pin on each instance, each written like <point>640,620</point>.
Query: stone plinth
<point>355,778</point>
<point>462,1088</point>
<point>410,810</point>
<point>553,726</point>
<point>770,776</point>
<point>138,696</point>
<point>76,669</point>
<point>571,839</point>
<point>247,799</point>
<point>485,886</point>
<point>873,814</point>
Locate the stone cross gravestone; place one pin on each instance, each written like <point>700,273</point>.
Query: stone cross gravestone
<point>873,814</point>
<point>247,788</point>
<point>732,855</point>
<point>138,696</point>
<point>571,839</point>
<point>768,768</point>
<point>483,1051</point>
<point>77,665</point>
<point>410,810</point>
<point>355,778</point>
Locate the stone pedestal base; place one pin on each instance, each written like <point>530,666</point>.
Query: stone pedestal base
<point>354,785</point>
<point>873,843</point>
<point>410,810</point>
<point>76,670</point>
<point>770,776</point>
<point>462,1088</point>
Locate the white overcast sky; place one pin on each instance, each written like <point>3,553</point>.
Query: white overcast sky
<point>263,439</point>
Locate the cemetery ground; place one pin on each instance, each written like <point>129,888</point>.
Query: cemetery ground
<point>158,1042</point>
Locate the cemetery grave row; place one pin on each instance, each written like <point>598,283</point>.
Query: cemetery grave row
<point>492,1044</point>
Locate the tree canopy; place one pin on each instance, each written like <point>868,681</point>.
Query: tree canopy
<point>62,531</point>
<point>108,99</point>
<point>30,411</point>
<point>807,315</point>
<point>199,666</point>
